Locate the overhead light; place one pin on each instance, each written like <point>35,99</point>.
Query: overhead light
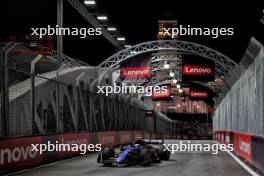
<point>180,90</point>
<point>178,105</point>
<point>172,74</point>
<point>121,38</point>
<point>89,2</point>
<point>157,104</point>
<point>111,29</point>
<point>178,86</point>
<point>133,52</point>
<point>171,107</point>
<point>102,18</point>
<point>127,46</point>
<point>166,65</point>
<point>174,81</point>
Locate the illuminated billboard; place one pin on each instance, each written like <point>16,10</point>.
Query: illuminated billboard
<point>162,93</point>
<point>135,72</point>
<point>136,69</point>
<point>198,69</point>
<point>198,94</point>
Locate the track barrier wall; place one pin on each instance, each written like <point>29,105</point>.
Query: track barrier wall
<point>247,146</point>
<point>16,153</point>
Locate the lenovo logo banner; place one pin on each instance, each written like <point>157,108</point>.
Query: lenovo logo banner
<point>243,145</point>
<point>198,94</point>
<point>197,70</point>
<point>149,113</point>
<point>106,138</point>
<point>125,137</point>
<point>163,93</point>
<point>135,72</point>
<point>17,153</point>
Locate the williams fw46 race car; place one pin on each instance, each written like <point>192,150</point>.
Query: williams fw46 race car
<point>143,152</point>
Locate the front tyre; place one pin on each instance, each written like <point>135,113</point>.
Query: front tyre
<point>146,157</point>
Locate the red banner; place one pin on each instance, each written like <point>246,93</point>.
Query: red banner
<point>149,113</point>
<point>135,72</point>
<point>18,153</point>
<point>138,135</point>
<point>243,145</point>
<point>106,138</point>
<point>125,137</point>
<point>74,138</point>
<point>163,93</point>
<point>197,70</point>
<point>222,136</point>
<point>147,135</point>
<point>227,137</point>
<point>198,94</point>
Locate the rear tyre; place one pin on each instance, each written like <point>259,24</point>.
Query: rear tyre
<point>105,154</point>
<point>164,155</point>
<point>146,157</point>
<point>167,156</point>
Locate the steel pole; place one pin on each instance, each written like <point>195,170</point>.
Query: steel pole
<point>5,86</point>
<point>32,72</point>
<point>60,25</point>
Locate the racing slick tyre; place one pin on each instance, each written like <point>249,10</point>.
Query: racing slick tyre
<point>146,156</point>
<point>105,154</point>
<point>156,156</point>
<point>164,155</point>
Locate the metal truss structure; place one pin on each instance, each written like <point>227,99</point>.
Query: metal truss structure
<point>175,57</point>
<point>58,99</point>
<point>183,47</point>
<point>20,58</point>
<point>67,105</point>
<point>88,16</point>
<point>174,50</point>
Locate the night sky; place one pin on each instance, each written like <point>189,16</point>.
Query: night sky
<point>137,21</point>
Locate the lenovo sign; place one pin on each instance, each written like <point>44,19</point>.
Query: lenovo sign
<point>163,93</point>
<point>198,94</point>
<point>135,72</point>
<point>17,153</point>
<point>197,70</point>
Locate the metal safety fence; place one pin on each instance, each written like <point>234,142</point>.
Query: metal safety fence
<point>56,107</point>
<point>44,99</point>
<point>242,108</point>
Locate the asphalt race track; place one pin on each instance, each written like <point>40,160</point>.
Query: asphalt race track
<point>181,164</point>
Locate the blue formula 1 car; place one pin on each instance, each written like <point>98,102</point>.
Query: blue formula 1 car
<point>141,153</point>
<point>128,155</point>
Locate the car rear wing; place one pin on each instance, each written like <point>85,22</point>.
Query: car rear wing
<point>154,141</point>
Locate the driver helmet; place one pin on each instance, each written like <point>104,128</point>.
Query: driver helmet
<point>137,145</point>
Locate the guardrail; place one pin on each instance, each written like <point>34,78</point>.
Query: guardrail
<point>247,146</point>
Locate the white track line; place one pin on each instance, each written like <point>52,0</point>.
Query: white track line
<point>241,163</point>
